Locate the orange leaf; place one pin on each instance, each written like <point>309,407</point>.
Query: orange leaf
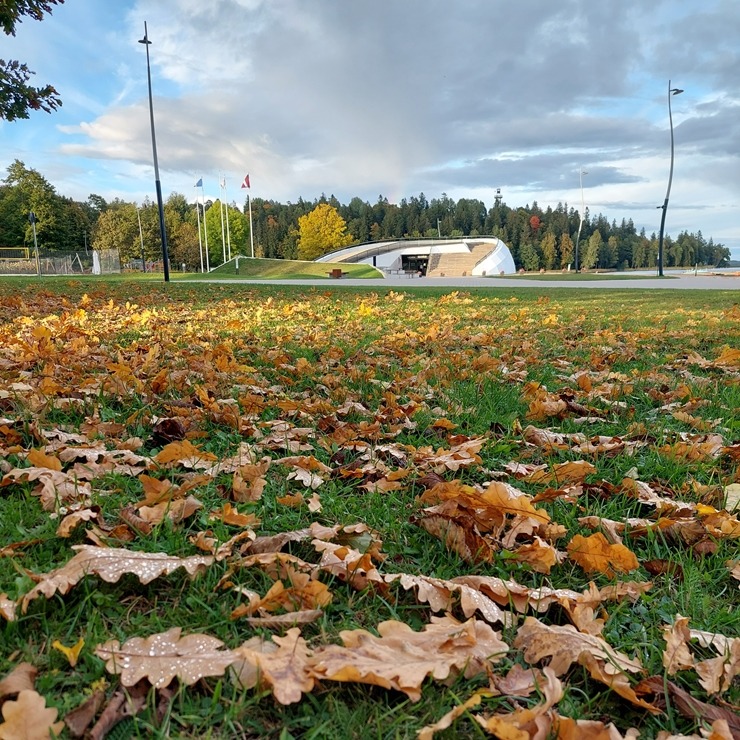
<point>595,554</point>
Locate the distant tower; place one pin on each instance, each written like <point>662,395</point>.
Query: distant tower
<point>498,198</point>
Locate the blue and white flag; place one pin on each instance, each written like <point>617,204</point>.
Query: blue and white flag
<point>199,184</point>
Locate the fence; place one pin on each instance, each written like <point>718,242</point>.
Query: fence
<point>22,261</point>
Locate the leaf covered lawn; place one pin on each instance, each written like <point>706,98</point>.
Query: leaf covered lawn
<point>275,513</point>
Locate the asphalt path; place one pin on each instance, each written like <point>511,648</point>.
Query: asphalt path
<point>674,282</point>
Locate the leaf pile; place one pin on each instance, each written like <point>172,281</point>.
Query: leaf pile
<point>448,497</point>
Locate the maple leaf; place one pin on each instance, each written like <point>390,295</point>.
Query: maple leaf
<point>282,664</point>
<point>28,718</point>
<point>595,554</point>
<point>111,564</point>
<point>401,658</point>
<point>160,658</point>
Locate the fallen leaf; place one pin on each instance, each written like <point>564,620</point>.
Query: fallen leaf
<point>21,678</point>
<point>160,658</point>
<point>28,718</point>
<point>111,564</point>
<point>595,554</point>
<point>677,656</point>
<point>401,658</point>
<point>72,654</point>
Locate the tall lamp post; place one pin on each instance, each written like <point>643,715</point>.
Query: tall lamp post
<point>581,173</point>
<point>671,91</point>
<point>162,231</point>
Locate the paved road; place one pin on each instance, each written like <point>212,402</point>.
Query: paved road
<point>679,282</point>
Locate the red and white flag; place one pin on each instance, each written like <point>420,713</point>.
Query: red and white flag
<point>246,184</point>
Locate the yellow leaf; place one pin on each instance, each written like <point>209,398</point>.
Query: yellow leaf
<point>70,653</point>
<point>594,553</point>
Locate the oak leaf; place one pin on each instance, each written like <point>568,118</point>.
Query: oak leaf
<point>160,658</point>
<point>111,564</point>
<point>595,554</point>
<point>186,454</point>
<point>7,608</point>
<point>564,645</point>
<point>401,658</point>
<point>28,718</point>
<point>282,664</point>
<point>677,655</point>
<point>21,678</point>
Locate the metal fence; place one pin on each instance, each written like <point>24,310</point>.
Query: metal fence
<point>103,262</point>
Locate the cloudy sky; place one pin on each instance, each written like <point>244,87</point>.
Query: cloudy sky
<point>395,97</point>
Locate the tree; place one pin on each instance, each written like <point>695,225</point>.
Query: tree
<point>549,250</point>
<point>566,249</point>
<point>591,253</point>
<point>17,97</point>
<point>321,231</point>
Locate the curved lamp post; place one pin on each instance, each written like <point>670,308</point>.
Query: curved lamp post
<point>671,91</point>
<point>162,231</point>
<point>581,173</point>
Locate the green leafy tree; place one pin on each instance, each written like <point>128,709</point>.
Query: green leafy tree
<point>530,257</point>
<point>118,228</point>
<point>591,253</point>
<point>321,231</point>
<point>17,96</point>
<point>567,249</point>
<point>549,249</point>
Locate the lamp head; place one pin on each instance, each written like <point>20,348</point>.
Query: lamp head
<point>145,40</point>
<point>676,91</point>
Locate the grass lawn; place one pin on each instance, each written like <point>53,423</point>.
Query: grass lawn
<point>364,508</point>
<point>270,269</point>
<point>579,277</point>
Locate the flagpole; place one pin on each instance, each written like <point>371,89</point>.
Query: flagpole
<point>205,226</point>
<point>200,240</point>
<point>251,230</point>
<point>246,184</point>
<point>228,232</point>
<point>221,211</point>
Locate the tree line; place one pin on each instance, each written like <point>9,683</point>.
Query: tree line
<point>537,238</point>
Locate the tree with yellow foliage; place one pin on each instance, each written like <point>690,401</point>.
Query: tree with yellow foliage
<point>321,231</point>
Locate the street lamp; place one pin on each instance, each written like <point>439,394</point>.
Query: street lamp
<point>671,91</point>
<point>581,173</point>
<point>165,256</point>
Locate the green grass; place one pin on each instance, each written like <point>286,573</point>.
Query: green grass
<point>296,356</point>
<point>577,277</point>
<point>272,269</point>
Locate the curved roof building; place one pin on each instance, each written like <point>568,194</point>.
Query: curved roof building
<point>474,255</point>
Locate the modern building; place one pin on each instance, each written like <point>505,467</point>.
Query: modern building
<point>465,256</point>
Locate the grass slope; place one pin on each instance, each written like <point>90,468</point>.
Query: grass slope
<point>270,269</point>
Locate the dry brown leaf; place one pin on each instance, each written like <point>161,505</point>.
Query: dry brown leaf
<point>21,678</point>
<point>291,619</point>
<point>160,658</point>
<point>28,718</point>
<point>176,511</point>
<point>427,732</point>
<point>532,722</point>
<point>687,705</point>
<point>7,608</point>
<point>79,719</point>
<point>186,454</point>
<point>677,656</point>
<point>70,521</point>
<point>564,645</point>
<point>282,664</point>
<point>595,554</point>
<point>585,729</point>
<point>111,564</point>
<point>39,459</point>
<point>302,593</point>
<point>573,471</point>
<point>439,594</point>
<point>401,658</point>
